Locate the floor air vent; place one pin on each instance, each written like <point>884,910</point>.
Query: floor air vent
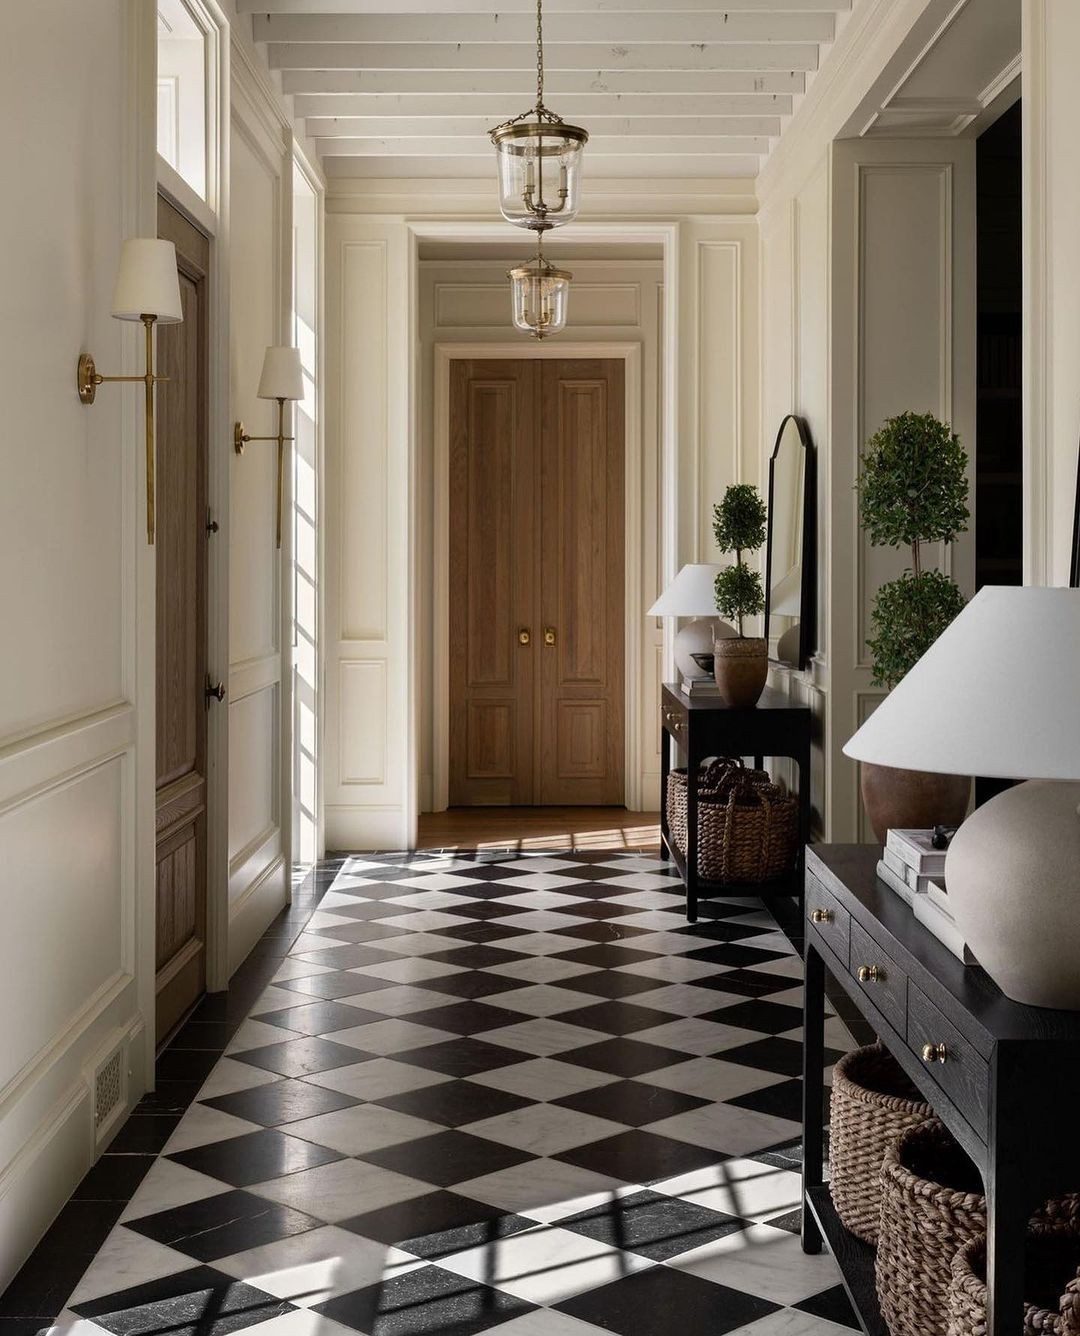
<point>108,1089</point>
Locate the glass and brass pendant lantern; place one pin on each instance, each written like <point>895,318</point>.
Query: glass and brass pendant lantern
<point>539,159</point>
<point>539,294</point>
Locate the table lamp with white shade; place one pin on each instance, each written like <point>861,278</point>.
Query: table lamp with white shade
<point>998,695</point>
<point>692,594</point>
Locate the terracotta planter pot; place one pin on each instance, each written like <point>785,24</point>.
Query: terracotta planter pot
<point>912,799</point>
<point>740,666</point>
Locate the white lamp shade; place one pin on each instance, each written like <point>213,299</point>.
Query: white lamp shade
<point>997,694</point>
<point>690,594</point>
<point>147,282</point>
<point>786,597</point>
<point>282,375</point>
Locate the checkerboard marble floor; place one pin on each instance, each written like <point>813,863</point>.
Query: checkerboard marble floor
<point>492,1092</point>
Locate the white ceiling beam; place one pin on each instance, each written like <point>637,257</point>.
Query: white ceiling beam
<point>551,6</point>
<point>477,145</point>
<point>569,106</point>
<point>558,56</point>
<point>602,171</point>
<point>622,29</point>
<point>559,83</point>
<point>407,127</point>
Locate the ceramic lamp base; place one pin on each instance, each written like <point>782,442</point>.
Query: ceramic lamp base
<point>1013,878</point>
<point>697,637</point>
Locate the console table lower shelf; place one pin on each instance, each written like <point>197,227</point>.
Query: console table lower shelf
<point>854,1259</point>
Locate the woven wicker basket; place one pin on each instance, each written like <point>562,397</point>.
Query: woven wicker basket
<point>1051,1259</point>
<point>931,1206</point>
<point>872,1103</point>
<point>748,828</point>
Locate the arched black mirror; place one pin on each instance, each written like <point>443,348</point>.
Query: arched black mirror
<point>789,552</point>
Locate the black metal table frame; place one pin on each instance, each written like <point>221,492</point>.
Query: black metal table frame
<point>701,729</point>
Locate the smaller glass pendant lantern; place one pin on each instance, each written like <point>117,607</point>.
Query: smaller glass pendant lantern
<point>539,159</point>
<point>540,296</point>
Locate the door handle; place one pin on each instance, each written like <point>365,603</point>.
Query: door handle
<point>214,691</point>
<point>524,636</point>
<point>549,635</point>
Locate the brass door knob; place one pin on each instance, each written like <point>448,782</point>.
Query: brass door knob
<point>821,916</point>
<point>935,1053</point>
<point>870,974</point>
<point>214,691</point>
<point>524,636</point>
<point>549,635</point>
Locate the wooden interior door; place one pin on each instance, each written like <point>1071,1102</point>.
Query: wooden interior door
<point>537,614</point>
<point>582,699</point>
<point>181,554</point>
<point>493,580</point>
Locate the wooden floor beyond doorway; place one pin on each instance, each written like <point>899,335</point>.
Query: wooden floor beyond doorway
<point>540,828</point>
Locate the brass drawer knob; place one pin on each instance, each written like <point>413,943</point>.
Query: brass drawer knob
<point>870,974</point>
<point>821,916</point>
<point>935,1053</point>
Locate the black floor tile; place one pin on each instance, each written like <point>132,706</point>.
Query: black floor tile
<point>341,983</point>
<point>632,1102</point>
<point>255,1157</point>
<point>608,983</point>
<point>783,1100</point>
<point>467,1017</point>
<point>652,1225</point>
<point>783,1056</point>
<point>319,1018</point>
<point>281,1102</point>
<point>640,1157</point>
<point>463,1057</point>
<point>447,1157</point>
<point>472,983</point>
<point>437,1224</point>
<point>616,1018</point>
<point>834,1306</point>
<point>733,955</point>
<point>663,1300</point>
<point>454,1103</point>
<point>758,1014</point>
<point>623,1057</point>
<point>602,930</point>
<point>607,956</point>
<point>145,1133</point>
<point>302,1057</point>
<point>114,1178</point>
<point>425,1302</point>
<point>199,1302</point>
<point>477,957</point>
<point>219,1226</point>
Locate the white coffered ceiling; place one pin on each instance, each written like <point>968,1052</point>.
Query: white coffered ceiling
<point>409,88</point>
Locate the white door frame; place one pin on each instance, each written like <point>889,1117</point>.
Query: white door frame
<point>630,355</point>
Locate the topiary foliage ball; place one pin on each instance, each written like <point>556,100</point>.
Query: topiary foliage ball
<point>739,520</point>
<point>738,593</point>
<point>909,614</point>
<point>913,484</point>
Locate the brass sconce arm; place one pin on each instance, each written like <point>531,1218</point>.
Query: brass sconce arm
<point>241,438</point>
<point>88,380</point>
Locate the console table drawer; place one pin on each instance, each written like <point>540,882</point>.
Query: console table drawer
<point>952,1062</point>
<point>828,917</point>
<point>879,977</point>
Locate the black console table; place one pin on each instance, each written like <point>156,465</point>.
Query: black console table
<point>1004,1078</point>
<point>701,728</point>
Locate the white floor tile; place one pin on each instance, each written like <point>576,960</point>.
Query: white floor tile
<point>543,1079</point>
<point>337,1191</point>
<point>542,969</point>
<point>544,1036</point>
<point>684,999</point>
<point>400,1000</point>
<point>363,1128</point>
<point>377,1079</point>
<point>543,1190</point>
<point>409,969</point>
<point>127,1259</point>
<point>727,1128</point>
<point>544,1129</point>
<point>542,999</point>
<point>763,1261</point>
<point>229,1076</point>
<point>693,1035</point>
<point>307,1269</point>
<point>202,1125</point>
<point>169,1184</point>
<point>395,1035</point>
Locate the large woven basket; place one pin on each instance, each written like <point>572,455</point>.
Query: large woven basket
<point>1051,1259</point>
<point>748,828</point>
<point>872,1103</point>
<point>931,1206</point>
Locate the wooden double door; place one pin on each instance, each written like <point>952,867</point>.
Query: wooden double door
<point>181,556</point>
<point>537,602</point>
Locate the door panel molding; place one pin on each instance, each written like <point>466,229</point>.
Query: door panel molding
<point>445,354</point>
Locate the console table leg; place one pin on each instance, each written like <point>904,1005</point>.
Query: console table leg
<point>665,770</point>
<point>813,1091</point>
<point>691,834</point>
<point>1008,1205</point>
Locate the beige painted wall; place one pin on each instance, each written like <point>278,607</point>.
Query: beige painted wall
<point>76,704</point>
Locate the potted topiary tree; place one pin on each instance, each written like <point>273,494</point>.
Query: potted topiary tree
<point>740,662</point>
<point>912,490</point>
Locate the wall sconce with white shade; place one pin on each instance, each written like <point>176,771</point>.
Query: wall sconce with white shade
<point>282,379</point>
<point>147,289</point>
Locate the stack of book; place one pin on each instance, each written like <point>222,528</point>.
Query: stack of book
<point>696,687</point>
<point>915,870</point>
